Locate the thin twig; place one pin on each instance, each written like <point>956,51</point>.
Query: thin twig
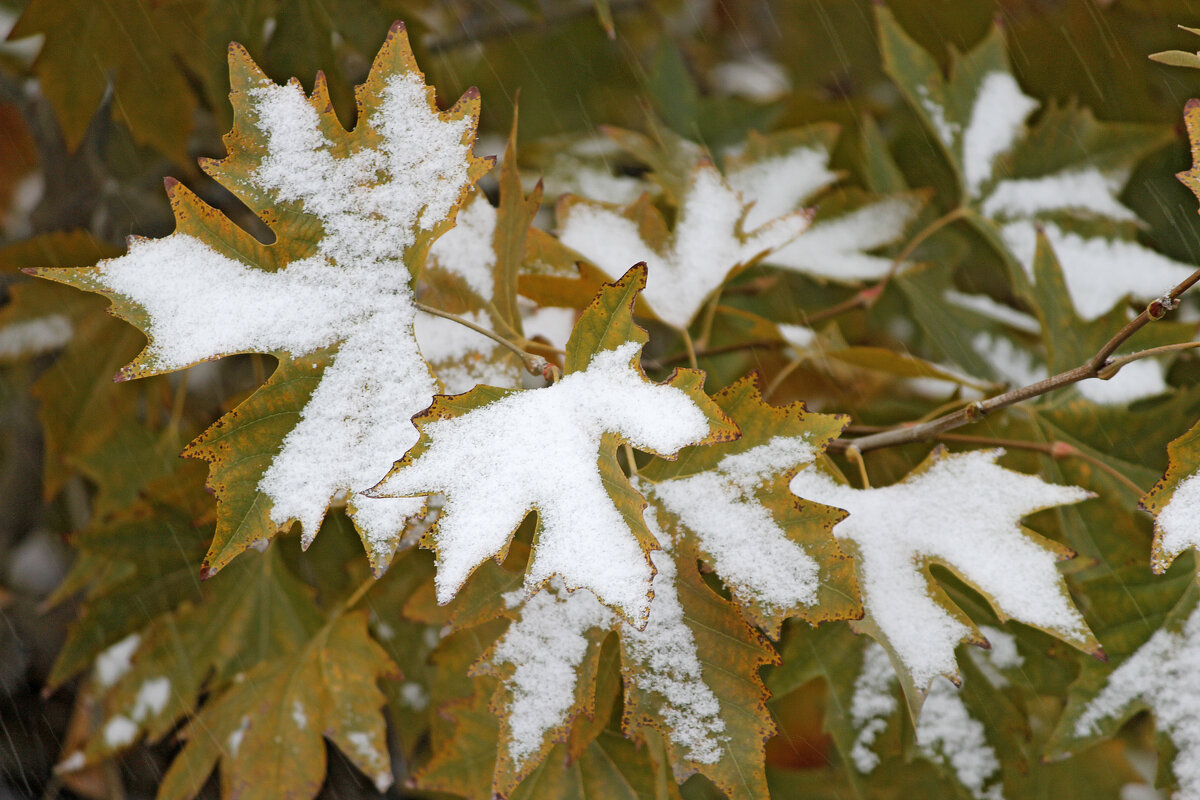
<point>1115,364</point>
<point>534,364</point>
<point>358,593</point>
<point>629,458</point>
<point>691,348</point>
<point>976,411</point>
<point>855,457</point>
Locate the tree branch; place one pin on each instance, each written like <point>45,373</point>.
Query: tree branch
<point>1101,362</point>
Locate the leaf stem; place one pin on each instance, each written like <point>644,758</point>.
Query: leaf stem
<point>691,348</point>
<point>1101,361</point>
<point>358,593</point>
<point>855,456</point>
<point>633,471</point>
<point>534,364</point>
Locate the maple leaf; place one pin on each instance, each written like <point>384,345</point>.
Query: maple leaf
<point>353,213</point>
<point>777,556</point>
<point>961,511</point>
<point>1064,175</point>
<point>267,729</point>
<point>477,449</point>
<point>708,244</point>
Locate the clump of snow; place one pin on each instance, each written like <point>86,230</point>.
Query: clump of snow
<point>353,292</point>
<point>545,647</point>
<point>946,732</point>
<point>364,748</point>
<point>1164,673</point>
<point>1098,271</point>
<point>779,185</point>
<point>1080,190</point>
<point>239,733</point>
<point>997,121</point>
<point>985,306</point>
<point>837,247</point>
<point>800,337</point>
<point>414,695</point>
<point>872,705</point>
<point>119,731</point>
<point>1178,523</point>
<point>946,130</point>
<point>668,664</point>
<point>466,249</point>
<point>753,77</point>
<point>298,715</point>
<point>964,511</point>
<point>703,250</point>
<point>551,323</point>
<point>71,763</point>
<point>538,450</point>
<point>151,698</point>
<point>116,660</point>
<point>35,336</point>
<point>749,550</point>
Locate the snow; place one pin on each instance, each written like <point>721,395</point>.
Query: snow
<point>1164,673</point>
<point>997,121</point>
<point>1135,381</point>
<point>235,738</point>
<point>748,548</point>
<point>119,731</point>
<point>545,647</point>
<point>985,306</point>
<point>835,248</point>
<point>151,698</point>
<point>1002,655</point>
<point>538,449</point>
<point>871,705</point>
<point>71,763</point>
<point>1178,523</point>
<point>946,131</point>
<point>962,511</point>
<point>946,732</point>
<point>780,184</point>
<point>466,249</point>
<point>364,748</point>
<point>704,249</point>
<point>552,324</point>
<point>800,337</point>
<point>353,291</point>
<point>666,662</point>
<point>1098,272</point>
<point>463,358</point>
<point>298,715</point>
<point>35,336</point>
<point>1079,190</point>
<point>753,77</point>
<point>115,661</point>
<point>414,695</point>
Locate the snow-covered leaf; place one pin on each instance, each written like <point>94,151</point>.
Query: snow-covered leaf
<point>732,502</point>
<point>961,511</point>
<point>353,213</point>
<point>1175,502</point>
<point>1065,174</point>
<point>498,454</point>
<point>710,241</point>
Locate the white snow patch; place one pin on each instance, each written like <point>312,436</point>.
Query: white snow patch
<point>779,185</point>
<point>298,715</point>
<point>353,291</point>
<point>1178,523</point>
<point>1002,655</point>
<point>836,248</point>
<point>964,511</point>
<point>753,77</point>
<point>414,695</point>
<point>1164,673</point>
<point>946,131</point>
<point>492,477</point>
<point>35,336</point>
<point>71,763</point>
<point>551,323</point>
<point>235,738</point>
<point>704,249</point>
<point>466,249</point>
<point>800,337</point>
<point>668,664</point>
<point>1098,272</point>
<point>364,747</point>
<point>749,550</point>
<point>116,660</point>
<point>1080,190</point>
<point>997,121</point>
<point>119,731</point>
<point>151,698</point>
<point>946,731</point>
<point>463,358</point>
<point>987,307</point>
<point>545,647</point>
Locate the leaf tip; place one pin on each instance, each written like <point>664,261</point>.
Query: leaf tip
<point>1099,654</point>
<point>206,571</point>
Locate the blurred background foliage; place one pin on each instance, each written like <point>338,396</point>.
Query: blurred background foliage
<point>99,101</point>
